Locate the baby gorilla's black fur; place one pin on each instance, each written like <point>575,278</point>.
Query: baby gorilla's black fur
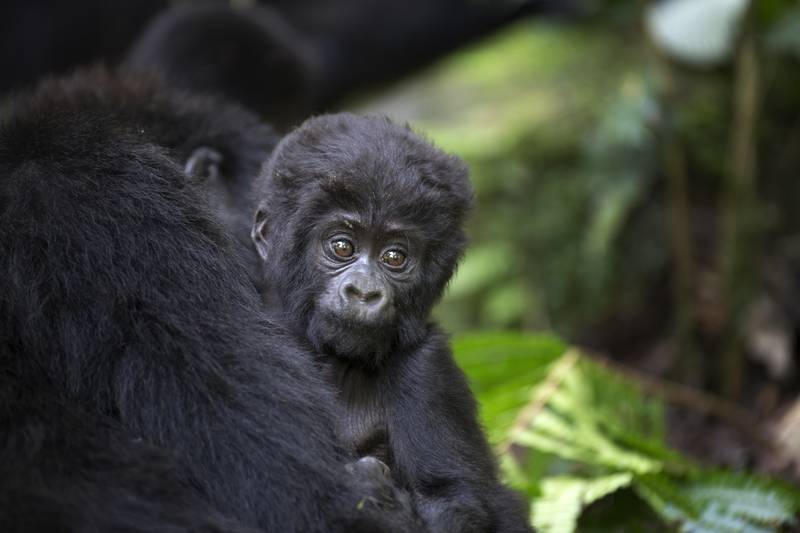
<point>142,387</point>
<point>359,232</point>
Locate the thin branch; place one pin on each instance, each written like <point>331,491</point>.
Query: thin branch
<point>738,214</point>
<point>678,206</point>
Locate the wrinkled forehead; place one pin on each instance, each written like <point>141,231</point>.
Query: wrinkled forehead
<point>387,180</point>
<point>372,226</point>
<point>375,207</point>
<point>380,194</point>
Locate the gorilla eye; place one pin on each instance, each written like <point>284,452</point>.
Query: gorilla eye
<point>394,258</point>
<point>343,248</point>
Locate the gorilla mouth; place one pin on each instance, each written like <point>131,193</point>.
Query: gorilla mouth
<point>351,339</point>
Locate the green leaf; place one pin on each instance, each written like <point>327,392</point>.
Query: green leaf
<point>746,497</point>
<point>589,415</point>
<point>564,497</point>
<point>720,502</point>
<point>575,432</point>
<point>503,368</point>
<point>558,510</point>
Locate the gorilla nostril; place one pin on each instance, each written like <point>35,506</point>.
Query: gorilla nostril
<point>373,297</point>
<point>351,291</point>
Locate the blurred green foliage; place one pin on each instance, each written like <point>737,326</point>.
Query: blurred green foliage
<point>569,128</point>
<point>572,433</point>
<point>553,122</point>
<point>605,156</point>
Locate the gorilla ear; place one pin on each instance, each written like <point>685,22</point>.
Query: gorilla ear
<point>259,234</point>
<point>204,163</point>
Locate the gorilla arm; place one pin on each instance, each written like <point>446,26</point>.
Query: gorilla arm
<point>439,447</point>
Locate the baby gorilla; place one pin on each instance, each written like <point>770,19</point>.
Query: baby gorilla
<point>359,231</point>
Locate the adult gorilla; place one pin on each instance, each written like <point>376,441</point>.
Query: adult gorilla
<point>141,387</point>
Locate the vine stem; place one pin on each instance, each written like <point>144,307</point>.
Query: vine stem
<point>738,213</point>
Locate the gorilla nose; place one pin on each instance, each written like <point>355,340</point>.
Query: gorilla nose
<point>365,299</point>
<point>370,296</point>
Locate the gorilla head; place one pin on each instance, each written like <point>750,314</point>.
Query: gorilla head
<point>360,229</point>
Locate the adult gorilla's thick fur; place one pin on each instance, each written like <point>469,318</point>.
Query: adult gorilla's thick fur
<point>141,387</point>
<point>359,231</point>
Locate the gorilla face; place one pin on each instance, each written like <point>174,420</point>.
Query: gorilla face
<point>365,274</point>
<point>359,230</point>
<point>361,266</point>
<point>369,272</point>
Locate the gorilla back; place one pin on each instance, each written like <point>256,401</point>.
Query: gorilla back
<point>141,387</point>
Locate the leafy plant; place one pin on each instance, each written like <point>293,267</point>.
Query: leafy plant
<point>573,433</point>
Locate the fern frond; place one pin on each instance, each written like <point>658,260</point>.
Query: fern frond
<point>564,413</point>
<point>563,498</point>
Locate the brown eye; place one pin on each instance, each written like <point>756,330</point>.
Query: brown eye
<point>343,248</point>
<point>394,258</point>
